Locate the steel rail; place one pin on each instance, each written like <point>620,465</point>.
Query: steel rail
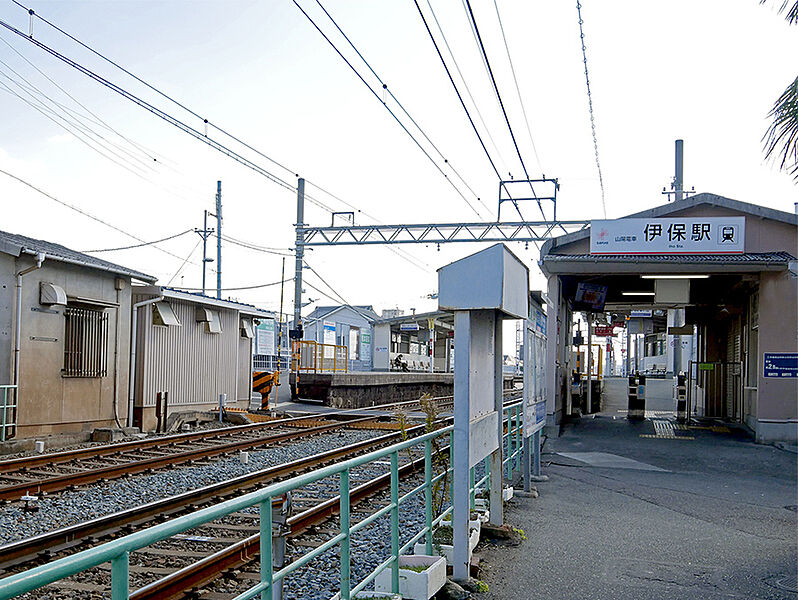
<point>61,482</point>
<point>27,549</point>
<point>16,464</point>
<point>202,572</point>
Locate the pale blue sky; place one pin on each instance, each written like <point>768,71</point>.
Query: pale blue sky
<point>707,72</point>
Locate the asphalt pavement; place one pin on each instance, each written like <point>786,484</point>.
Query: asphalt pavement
<point>648,510</point>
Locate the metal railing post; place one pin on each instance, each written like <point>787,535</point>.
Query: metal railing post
<point>120,573</point>
<point>5,402</point>
<point>518,438</point>
<point>395,522</point>
<point>346,541</point>
<point>428,494</point>
<point>266,565</point>
<point>472,493</point>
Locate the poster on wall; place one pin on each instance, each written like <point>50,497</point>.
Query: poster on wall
<point>329,332</point>
<point>265,337</point>
<point>780,364</point>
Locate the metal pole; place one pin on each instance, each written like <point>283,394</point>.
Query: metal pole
<point>300,252</point>
<point>204,248</point>
<point>219,239</point>
<point>589,363</point>
<point>678,180</point>
<point>460,445</point>
<point>280,323</point>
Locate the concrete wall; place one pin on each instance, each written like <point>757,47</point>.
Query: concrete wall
<point>192,365</point>
<point>49,402</point>
<point>777,399</point>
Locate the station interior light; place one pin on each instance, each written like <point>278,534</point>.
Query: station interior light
<point>637,293</point>
<point>674,276</point>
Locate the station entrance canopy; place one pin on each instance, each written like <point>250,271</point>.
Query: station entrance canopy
<point>730,265</point>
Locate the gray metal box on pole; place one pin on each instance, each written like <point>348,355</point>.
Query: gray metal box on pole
<point>481,290</point>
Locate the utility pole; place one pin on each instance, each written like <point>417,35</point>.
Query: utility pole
<point>280,323</point>
<point>204,233</point>
<point>678,180</point>
<point>300,253</point>
<point>219,240</point>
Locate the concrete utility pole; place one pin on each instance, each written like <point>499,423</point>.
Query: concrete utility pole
<point>204,232</point>
<point>219,239</point>
<point>300,253</point>
<point>678,180</point>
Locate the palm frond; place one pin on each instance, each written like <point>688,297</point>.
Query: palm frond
<point>781,138</point>
<point>792,11</point>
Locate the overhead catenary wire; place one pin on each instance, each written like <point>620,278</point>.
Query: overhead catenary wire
<point>401,106</point>
<point>401,253</point>
<point>590,107</point>
<point>501,105</point>
<point>517,87</point>
<point>465,84</point>
<point>457,91</point>
<point>154,156</point>
<point>388,108</point>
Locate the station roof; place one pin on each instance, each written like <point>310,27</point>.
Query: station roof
<point>366,311</point>
<point>17,245</point>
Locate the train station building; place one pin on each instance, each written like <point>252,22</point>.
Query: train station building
<point>720,274</point>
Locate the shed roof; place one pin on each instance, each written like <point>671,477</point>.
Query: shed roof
<point>365,310</point>
<point>17,245</point>
<point>197,298</point>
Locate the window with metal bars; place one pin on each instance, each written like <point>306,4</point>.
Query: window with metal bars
<point>85,342</point>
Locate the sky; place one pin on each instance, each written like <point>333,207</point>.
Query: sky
<point>706,72</point>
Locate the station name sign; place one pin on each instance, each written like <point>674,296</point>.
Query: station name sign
<point>702,235</point>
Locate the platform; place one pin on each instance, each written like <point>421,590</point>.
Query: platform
<point>355,390</point>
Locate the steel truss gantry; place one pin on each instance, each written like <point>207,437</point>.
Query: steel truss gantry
<point>438,233</point>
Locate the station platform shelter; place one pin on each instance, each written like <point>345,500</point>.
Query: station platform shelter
<point>727,268</point>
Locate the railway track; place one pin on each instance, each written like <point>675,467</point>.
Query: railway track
<point>37,475</point>
<point>198,557</point>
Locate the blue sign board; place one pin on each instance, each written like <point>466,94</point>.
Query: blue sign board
<point>780,364</point>
<point>540,412</point>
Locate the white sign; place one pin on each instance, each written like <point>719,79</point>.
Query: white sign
<point>265,337</point>
<point>329,332</point>
<point>694,235</point>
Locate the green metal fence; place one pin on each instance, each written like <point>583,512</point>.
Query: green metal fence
<point>117,552</point>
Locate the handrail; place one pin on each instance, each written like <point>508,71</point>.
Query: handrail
<point>118,551</point>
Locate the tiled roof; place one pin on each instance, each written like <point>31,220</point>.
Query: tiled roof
<point>16,245</point>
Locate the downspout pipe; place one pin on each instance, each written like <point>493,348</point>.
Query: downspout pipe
<point>18,327</point>
<point>132,374</point>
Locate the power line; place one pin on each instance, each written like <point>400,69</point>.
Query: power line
<point>171,237</point>
<point>86,214</point>
<point>376,95</point>
<point>517,88</point>
<point>501,104</point>
<point>235,289</point>
<point>465,83</point>
<point>193,250</point>
<point>402,254</point>
<point>255,247</point>
<point>99,120</point>
<point>400,105</point>
<point>590,106</point>
<point>454,85</point>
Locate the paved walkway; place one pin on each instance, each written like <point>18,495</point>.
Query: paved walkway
<point>635,512</point>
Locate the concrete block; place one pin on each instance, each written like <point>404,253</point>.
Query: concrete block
<point>106,435</point>
<point>38,447</point>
